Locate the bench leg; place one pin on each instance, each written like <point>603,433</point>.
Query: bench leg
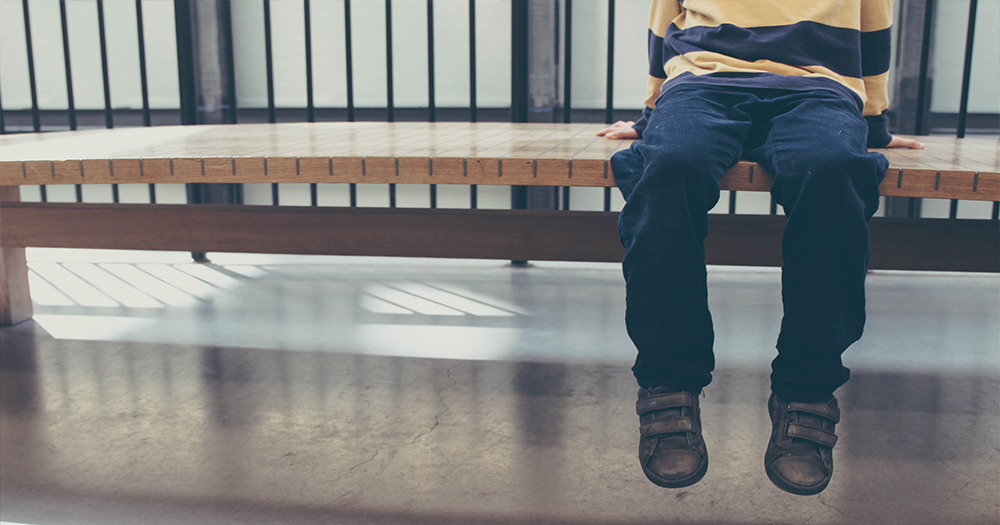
<point>15,299</point>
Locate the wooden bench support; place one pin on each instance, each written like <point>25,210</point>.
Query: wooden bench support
<point>15,299</point>
<point>745,240</point>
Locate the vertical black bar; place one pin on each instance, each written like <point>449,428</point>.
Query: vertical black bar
<point>911,207</point>
<point>353,193</point>
<point>953,212</point>
<point>228,62</point>
<point>108,119</point>
<point>186,28</point>
<point>607,199</point>
<point>732,202</point>
<point>313,194</point>
<point>70,99</point>
<point>996,211</point>
<point>568,65</point>
<point>970,35</point>
<point>36,117</point>
<point>557,34</point>
<point>142,64</point>
<point>431,105</point>
<point>519,97</point>
<point>925,55</point>
<point>567,79</point>
<point>473,196</point>
<point>434,196</point>
<point>519,81</point>
<point>196,194</point>
<point>45,194</point>
<point>310,109</point>
<point>473,110</point>
<point>519,61</point>
<point>3,125</point>
<point>152,193</point>
<point>350,62</point>
<point>185,62</point>
<point>271,117</point>
<point>519,197</point>
<point>389,105</point>
<point>609,105</point>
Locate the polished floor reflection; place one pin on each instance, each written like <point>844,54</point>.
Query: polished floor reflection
<point>277,389</point>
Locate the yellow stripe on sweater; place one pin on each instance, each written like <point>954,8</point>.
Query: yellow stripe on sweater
<point>876,89</point>
<point>661,14</point>
<point>874,14</point>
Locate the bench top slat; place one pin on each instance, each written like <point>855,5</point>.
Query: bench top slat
<point>422,153</point>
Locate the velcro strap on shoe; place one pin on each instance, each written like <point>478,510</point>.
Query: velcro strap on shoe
<point>663,402</point>
<point>822,410</point>
<point>675,425</point>
<point>814,435</point>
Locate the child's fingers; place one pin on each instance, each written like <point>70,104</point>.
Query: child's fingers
<point>900,142</point>
<point>615,130</point>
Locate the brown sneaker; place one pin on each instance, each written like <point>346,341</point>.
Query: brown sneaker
<point>671,449</point>
<point>799,457</point>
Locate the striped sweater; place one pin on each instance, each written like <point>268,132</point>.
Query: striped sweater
<point>838,45</point>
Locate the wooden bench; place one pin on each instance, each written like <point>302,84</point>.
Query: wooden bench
<point>427,153</point>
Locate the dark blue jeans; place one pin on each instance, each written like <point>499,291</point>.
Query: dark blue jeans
<point>813,142</point>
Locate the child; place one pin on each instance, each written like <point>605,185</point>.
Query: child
<point>800,88</point>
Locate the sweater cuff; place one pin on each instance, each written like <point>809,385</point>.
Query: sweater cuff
<point>640,125</point>
<point>878,130</point>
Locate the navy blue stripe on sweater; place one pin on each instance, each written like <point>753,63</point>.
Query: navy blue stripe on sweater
<point>876,49</point>
<point>799,44</point>
<point>656,61</point>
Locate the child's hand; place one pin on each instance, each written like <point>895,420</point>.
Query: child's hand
<point>619,130</point>
<point>900,142</point>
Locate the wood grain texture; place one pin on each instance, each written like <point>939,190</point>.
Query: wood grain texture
<point>754,240</point>
<point>15,297</point>
<point>423,153</point>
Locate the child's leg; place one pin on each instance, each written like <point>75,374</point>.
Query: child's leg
<point>814,145</point>
<point>827,182</point>
<point>670,180</point>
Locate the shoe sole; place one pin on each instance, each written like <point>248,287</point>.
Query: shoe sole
<point>792,488</point>
<point>676,483</point>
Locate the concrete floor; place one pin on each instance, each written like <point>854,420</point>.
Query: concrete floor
<point>280,389</point>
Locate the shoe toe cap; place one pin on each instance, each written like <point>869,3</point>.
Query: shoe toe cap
<point>804,471</point>
<point>675,464</point>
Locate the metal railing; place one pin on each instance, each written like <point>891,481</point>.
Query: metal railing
<point>518,111</point>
